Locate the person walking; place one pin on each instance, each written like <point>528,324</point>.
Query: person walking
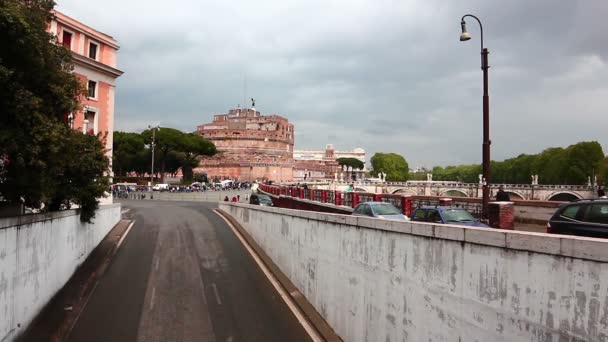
<point>501,195</point>
<point>226,199</point>
<point>601,193</point>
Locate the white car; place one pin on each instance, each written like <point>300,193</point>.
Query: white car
<point>160,187</point>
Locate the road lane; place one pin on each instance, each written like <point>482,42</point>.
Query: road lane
<point>182,275</point>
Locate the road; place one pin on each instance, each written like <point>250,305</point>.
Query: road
<point>182,275</point>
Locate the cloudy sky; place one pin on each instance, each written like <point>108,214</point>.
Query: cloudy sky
<point>384,75</point>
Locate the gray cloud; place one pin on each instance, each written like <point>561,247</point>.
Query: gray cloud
<point>384,75</point>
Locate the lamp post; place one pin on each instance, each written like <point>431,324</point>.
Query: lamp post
<point>464,36</point>
<point>152,167</point>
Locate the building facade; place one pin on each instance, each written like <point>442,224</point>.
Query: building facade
<point>357,153</point>
<point>322,164</point>
<point>94,57</point>
<point>250,147</point>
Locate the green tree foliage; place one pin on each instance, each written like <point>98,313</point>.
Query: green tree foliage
<point>571,165</point>
<point>352,162</point>
<point>603,172</point>
<point>127,147</point>
<point>174,150</point>
<point>194,146</point>
<point>394,165</point>
<point>166,140</point>
<point>45,163</point>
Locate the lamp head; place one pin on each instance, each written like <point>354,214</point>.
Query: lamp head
<point>464,36</point>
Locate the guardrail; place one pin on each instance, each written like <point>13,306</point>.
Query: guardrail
<point>339,198</point>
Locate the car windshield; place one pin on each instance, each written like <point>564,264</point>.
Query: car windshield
<point>457,215</point>
<point>264,199</point>
<point>385,209</point>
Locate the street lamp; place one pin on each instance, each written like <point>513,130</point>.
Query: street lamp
<point>152,167</point>
<point>464,36</point>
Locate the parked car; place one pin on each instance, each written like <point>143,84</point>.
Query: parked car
<point>260,199</point>
<point>584,218</point>
<point>446,215</point>
<point>160,187</point>
<point>382,210</point>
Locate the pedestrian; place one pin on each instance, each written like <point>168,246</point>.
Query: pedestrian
<point>501,195</point>
<point>238,197</point>
<point>601,193</point>
<point>226,199</point>
<point>233,198</point>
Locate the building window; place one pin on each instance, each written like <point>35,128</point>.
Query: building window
<point>67,39</point>
<point>93,50</point>
<point>90,125</point>
<point>92,86</point>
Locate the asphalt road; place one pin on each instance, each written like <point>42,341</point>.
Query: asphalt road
<point>182,275</point>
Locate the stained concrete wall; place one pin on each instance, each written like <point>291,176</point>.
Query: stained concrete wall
<point>38,255</point>
<point>377,280</point>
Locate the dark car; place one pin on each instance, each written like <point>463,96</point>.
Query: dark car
<point>382,210</point>
<point>584,218</point>
<point>259,199</point>
<point>446,215</point>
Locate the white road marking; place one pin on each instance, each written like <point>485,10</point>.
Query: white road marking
<point>125,234</point>
<point>125,211</point>
<point>229,339</point>
<point>157,263</point>
<point>152,298</point>
<point>314,335</point>
<point>217,295</point>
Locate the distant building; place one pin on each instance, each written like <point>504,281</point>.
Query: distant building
<point>322,164</point>
<point>94,57</point>
<point>251,146</point>
<point>357,153</point>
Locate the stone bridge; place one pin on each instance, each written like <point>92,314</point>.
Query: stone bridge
<point>456,189</point>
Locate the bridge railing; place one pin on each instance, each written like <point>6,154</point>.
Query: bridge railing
<point>339,198</point>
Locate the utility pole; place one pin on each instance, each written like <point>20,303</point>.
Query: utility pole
<point>152,167</point>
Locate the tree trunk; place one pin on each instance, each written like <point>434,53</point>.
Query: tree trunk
<point>188,173</point>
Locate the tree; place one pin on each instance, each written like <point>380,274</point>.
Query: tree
<point>166,140</point>
<point>125,148</point>
<point>352,162</point>
<point>37,89</point>
<point>194,146</point>
<point>583,159</point>
<point>394,165</point>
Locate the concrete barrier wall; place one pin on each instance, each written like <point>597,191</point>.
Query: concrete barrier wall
<point>38,255</point>
<point>377,280</point>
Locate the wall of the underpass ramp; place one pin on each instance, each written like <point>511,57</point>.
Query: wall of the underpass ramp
<point>38,255</point>
<point>377,280</point>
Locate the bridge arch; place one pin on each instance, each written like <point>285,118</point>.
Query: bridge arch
<point>564,196</point>
<point>405,192</point>
<point>454,193</point>
<point>515,195</point>
<point>361,189</point>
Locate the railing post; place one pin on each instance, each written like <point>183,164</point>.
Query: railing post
<point>355,199</point>
<point>377,197</point>
<point>338,197</point>
<point>312,194</point>
<point>301,193</point>
<point>406,205</point>
<point>324,196</point>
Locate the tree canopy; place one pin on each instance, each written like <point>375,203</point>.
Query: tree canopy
<point>45,164</point>
<point>571,165</point>
<point>394,165</point>
<point>174,150</point>
<point>352,162</point>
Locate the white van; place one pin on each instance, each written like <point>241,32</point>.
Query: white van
<point>160,187</point>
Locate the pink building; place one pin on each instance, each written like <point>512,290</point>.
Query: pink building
<point>94,56</point>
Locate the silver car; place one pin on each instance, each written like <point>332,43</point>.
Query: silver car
<point>383,210</point>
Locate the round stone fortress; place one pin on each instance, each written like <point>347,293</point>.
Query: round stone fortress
<point>250,146</point>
